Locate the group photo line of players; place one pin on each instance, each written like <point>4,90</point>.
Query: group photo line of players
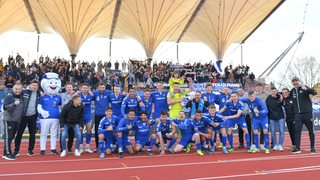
<point>157,121</point>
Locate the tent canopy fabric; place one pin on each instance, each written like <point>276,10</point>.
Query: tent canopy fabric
<point>217,23</point>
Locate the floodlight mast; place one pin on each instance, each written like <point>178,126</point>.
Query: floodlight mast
<point>276,62</point>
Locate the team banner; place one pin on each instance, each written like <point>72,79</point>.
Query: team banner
<point>216,86</point>
<point>316,116</point>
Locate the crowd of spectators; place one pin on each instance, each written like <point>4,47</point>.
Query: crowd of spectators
<point>144,73</point>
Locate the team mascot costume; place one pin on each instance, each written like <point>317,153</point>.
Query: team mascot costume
<point>48,109</point>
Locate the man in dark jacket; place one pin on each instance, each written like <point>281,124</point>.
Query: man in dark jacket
<point>302,108</point>
<point>288,106</point>
<point>72,115</point>
<point>29,117</point>
<point>13,109</point>
<point>276,118</point>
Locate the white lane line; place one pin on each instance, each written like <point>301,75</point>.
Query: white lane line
<point>156,166</point>
<point>264,172</point>
<point>109,158</point>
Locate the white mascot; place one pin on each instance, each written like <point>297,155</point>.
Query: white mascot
<point>48,109</point>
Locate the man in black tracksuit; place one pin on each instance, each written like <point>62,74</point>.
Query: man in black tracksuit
<point>288,105</point>
<point>13,109</point>
<point>302,108</point>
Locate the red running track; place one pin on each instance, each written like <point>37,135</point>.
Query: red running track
<point>237,165</point>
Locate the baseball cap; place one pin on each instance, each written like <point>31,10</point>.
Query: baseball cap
<point>295,79</point>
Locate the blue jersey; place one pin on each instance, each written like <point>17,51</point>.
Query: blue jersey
<point>123,125</point>
<point>86,101</point>
<point>105,123</point>
<point>256,104</point>
<point>116,102</point>
<point>211,99</point>
<point>160,102</point>
<point>217,118</point>
<point>221,100</point>
<point>142,130</point>
<point>164,127</point>
<point>147,105</point>
<point>202,125</point>
<point>185,126</point>
<point>51,104</point>
<point>101,101</point>
<point>130,104</point>
<point>234,108</point>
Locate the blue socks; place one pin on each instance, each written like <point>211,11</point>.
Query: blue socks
<point>248,140</point>
<point>120,143</point>
<point>198,146</point>
<point>230,139</point>
<point>266,140</point>
<point>102,146</point>
<point>152,141</point>
<point>255,139</point>
<point>172,141</point>
<point>224,141</point>
<point>88,138</point>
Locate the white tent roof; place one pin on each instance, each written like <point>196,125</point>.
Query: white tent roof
<point>217,23</point>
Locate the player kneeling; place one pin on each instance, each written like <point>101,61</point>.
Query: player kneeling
<point>164,133</point>
<point>219,125</point>
<point>188,136</point>
<point>125,127</point>
<point>106,132</point>
<point>143,137</point>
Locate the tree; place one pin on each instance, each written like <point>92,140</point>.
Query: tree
<point>307,69</point>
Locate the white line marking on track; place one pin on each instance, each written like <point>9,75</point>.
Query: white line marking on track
<point>160,165</point>
<point>277,171</point>
<point>110,158</point>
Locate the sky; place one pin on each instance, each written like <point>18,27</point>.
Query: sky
<point>259,51</point>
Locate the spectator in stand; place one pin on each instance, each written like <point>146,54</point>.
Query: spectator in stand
<point>1,68</point>
<point>116,65</point>
<point>175,78</point>
<point>2,92</point>
<point>252,78</point>
<point>9,83</point>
